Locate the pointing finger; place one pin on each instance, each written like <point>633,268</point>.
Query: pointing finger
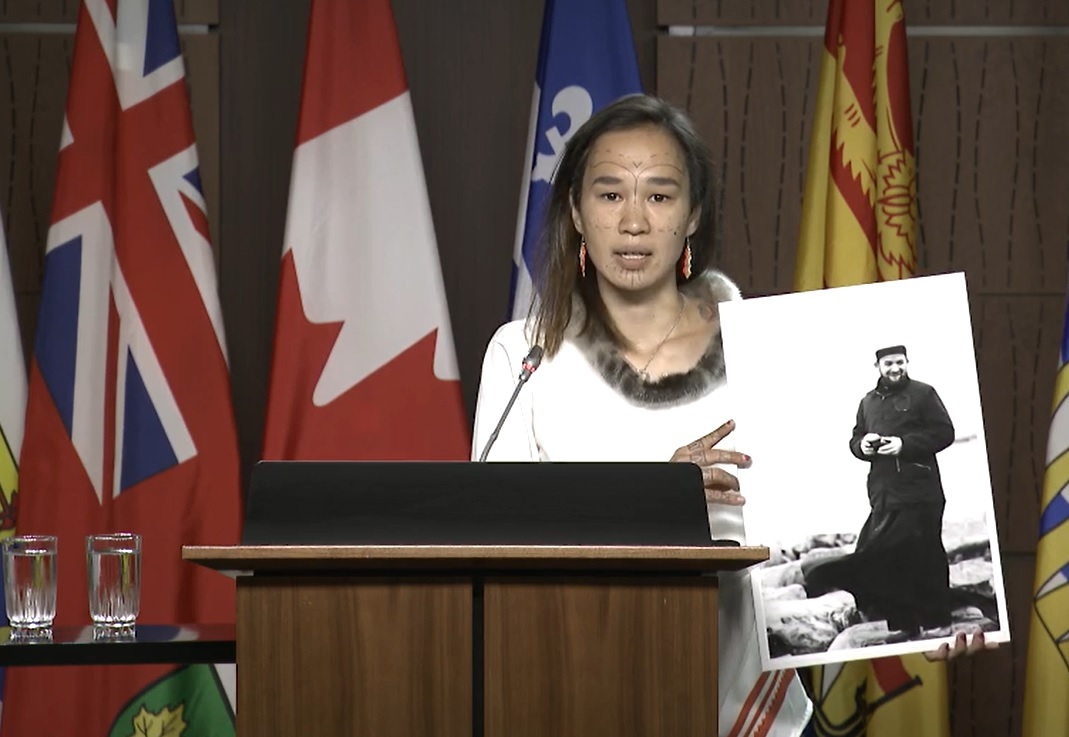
<point>708,441</point>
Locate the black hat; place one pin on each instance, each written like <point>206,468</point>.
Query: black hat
<point>890,351</point>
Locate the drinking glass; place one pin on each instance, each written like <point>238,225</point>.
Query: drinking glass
<point>30,581</point>
<point>114,567</point>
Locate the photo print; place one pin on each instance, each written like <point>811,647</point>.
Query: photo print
<point>870,482</point>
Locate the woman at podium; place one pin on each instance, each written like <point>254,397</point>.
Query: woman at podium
<point>626,325</point>
<point>633,366</point>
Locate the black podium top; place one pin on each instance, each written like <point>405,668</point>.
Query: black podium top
<point>462,503</point>
<point>149,643</point>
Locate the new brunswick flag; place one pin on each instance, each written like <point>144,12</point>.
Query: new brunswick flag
<point>1046,711</point>
<point>858,225</point>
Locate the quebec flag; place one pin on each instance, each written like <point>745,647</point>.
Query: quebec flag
<point>586,60</point>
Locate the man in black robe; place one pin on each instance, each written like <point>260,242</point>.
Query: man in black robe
<point>899,570</point>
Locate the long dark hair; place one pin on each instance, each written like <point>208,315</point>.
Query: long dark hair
<point>558,278</point>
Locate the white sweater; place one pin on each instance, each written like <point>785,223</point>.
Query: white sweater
<point>568,412</point>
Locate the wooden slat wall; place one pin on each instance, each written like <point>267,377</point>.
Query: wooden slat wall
<point>33,100</point>
<point>66,11</point>
<point>812,12</point>
<point>990,103</point>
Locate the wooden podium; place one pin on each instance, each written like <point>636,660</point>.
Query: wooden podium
<point>474,641</point>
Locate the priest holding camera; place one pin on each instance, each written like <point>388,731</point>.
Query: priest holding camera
<point>899,571</point>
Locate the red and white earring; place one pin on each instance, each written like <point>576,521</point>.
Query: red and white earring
<point>582,257</point>
<point>684,267</point>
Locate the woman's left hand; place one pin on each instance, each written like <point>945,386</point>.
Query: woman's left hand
<point>946,652</point>
<point>721,486</point>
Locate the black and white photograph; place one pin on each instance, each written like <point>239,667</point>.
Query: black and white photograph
<point>870,482</point>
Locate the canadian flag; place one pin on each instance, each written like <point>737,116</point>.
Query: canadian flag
<point>364,366</point>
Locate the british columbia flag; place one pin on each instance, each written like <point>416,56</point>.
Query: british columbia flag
<point>129,424</point>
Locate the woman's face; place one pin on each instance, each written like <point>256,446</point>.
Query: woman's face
<point>634,208</point>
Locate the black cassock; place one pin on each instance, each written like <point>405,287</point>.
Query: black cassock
<point>899,570</point>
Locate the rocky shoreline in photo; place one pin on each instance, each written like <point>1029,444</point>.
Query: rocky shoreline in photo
<point>798,625</point>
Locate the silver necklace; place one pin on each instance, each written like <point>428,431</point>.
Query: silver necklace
<point>643,372</point>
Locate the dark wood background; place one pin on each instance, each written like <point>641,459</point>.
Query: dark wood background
<point>990,105</point>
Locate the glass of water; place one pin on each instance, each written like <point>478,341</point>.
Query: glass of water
<point>114,566</point>
<point>30,582</point>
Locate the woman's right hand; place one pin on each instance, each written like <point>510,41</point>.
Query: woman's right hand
<point>721,486</point>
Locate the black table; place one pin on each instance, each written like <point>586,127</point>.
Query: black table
<point>149,643</point>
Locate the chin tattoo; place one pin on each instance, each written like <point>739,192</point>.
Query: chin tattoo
<point>707,289</point>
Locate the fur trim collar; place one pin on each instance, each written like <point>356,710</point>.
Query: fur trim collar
<point>672,390</point>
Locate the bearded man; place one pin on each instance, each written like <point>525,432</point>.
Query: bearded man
<point>899,570</point>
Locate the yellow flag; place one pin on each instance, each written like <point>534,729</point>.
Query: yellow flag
<point>860,208</point>
<point>1046,709</point>
<point>12,395</point>
<point>858,226</point>
<point>12,400</point>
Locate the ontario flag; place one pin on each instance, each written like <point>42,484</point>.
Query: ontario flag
<point>364,366</point>
<point>129,425</point>
<point>859,217</point>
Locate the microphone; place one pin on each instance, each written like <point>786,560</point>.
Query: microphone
<point>528,367</point>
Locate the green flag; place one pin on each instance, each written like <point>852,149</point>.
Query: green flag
<point>188,702</point>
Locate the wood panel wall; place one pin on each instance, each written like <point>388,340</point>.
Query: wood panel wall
<point>990,101</point>
<point>990,105</point>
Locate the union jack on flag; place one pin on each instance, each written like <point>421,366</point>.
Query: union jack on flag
<point>129,423</point>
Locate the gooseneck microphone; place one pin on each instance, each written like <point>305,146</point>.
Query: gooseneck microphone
<point>528,367</point>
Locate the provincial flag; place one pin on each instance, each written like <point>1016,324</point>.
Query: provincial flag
<point>859,211</point>
<point>1046,711</point>
<point>364,366</point>
<point>859,218</point>
<point>586,59</point>
<point>129,425</point>
<point>12,407</point>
